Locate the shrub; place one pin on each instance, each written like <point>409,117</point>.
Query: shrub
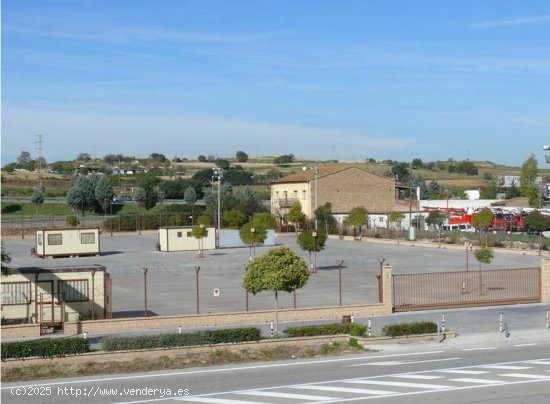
<point>45,348</point>
<point>419,327</point>
<point>72,220</point>
<point>356,330</point>
<point>208,337</point>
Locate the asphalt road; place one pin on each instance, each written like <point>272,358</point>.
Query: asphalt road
<point>475,369</point>
<point>171,276</point>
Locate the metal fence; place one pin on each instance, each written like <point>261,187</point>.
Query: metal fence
<point>465,288</point>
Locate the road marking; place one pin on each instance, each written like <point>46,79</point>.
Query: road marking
<point>421,377</point>
<point>202,371</point>
<point>463,372</point>
<point>479,349</point>
<point>394,363</point>
<point>518,345</point>
<point>218,400</point>
<point>539,362</point>
<point>400,384</point>
<point>344,389</point>
<point>505,367</point>
<point>526,376</point>
<point>477,381</point>
<point>275,394</point>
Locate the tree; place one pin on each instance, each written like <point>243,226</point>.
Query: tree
<point>148,183</point>
<point>84,157</point>
<point>536,222</point>
<point>190,195</point>
<point>37,197</point>
<point>295,215</point>
<point>104,193</point>
<point>251,238</point>
<point>484,255</point>
<point>24,158</point>
<point>6,259</point>
<point>436,219</point>
<point>234,218</point>
<point>280,269</point>
<point>307,242</point>
<point>483,220</point>
<point>241,156</point>
<point>397,218</point>
<point>157,157</point>
<point>323,214</point>
<point>528,181</point>
<point>400,170</point>
<point>200,232</point>
<point>512,192</point>
<point>417,163</point>
<point>358,217</point>
<point>283,160</point>
<point>222,163</point>
<point>201,158</point>
<point>433,189</point>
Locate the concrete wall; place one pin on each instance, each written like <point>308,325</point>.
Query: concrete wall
<point>545,281</point>
<point>20,331</point>
<point>179,238</point>
<point>231,239</point>
<point>73,242</point>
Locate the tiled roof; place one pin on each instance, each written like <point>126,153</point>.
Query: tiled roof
<point>309,175</point>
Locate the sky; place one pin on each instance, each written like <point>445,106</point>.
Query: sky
<point>345,80</point>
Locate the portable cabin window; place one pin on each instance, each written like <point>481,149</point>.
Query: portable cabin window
<point>73,290</point>
<point>55,239</point>
<point>16,293</point>
<point>87,238</point>
<point>180,234</point>
<point>189,234</point>
<point>304,194</point>
<point>39,239</point>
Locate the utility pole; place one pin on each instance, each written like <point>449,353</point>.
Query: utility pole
<point>39,182</point>
<point>218,173</point>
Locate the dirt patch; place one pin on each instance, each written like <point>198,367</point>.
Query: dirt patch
<point>52,369</point>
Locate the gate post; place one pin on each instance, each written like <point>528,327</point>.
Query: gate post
<point>545,281</point>
<point>387,287</point>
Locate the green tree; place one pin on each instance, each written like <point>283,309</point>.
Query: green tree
<point>24,158</point>
<point>37,198</point>
<point>358,217</point>
<point>483,220</point>
<point>323,214</point>
<point>536,222</point>
<point>396,218</point>
<point>104,193</point>
<point>241,156</point>
<point>285,159</point>
<point>484,255</point>
<point>201,158</point>
<point>251,238</point>
<point>306,241</point>
<point>190,195</point>
<point>436,219</point>
<point>512,192</point>
<point>295,215</point>
<point>528,184</point>
<point>279,270</point>
<point>148,183</point>
<point>234,218</point>
<point>199,232</point>
<point>400,170</point>
<point>490,191</point>
<point>6,259</point>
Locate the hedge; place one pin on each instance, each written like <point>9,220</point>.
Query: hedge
<point>45,348</point>
<point>357,330</point>
<point>179,340</point>
<point>419,327</point>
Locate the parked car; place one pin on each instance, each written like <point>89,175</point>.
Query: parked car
<point>122,199</point>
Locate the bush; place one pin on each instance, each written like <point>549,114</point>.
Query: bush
<point>419,327</point>
<point>208,337</point>
<point>356,330</point>
<point>45,348</point>
<point>72,220</point>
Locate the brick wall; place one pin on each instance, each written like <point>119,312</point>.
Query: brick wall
<point>20,331</point>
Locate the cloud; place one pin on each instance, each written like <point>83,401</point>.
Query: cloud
<point>513,21</point>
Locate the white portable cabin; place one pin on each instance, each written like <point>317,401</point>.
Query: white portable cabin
<point>67,242</point>
<point>180,238</point>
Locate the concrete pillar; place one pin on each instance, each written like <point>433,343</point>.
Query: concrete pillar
<point>545,281</point>
<point>387,287</point>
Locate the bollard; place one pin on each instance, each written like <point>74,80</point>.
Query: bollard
<point>179,329</point>
<point>351,317</point>
<point>500,324</point>
<point>507,333</point>
<point>369,329</point>
<point>85,334</point>
<point>443,323</point>
<point>271,328</point>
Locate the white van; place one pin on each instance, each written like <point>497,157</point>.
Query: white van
<point>466,227</point>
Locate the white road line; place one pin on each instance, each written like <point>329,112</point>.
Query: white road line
<point>519,345</point>
<point>479,349</point>
<point>275,394</point>
<point>400,384</point>
<point>344,389</point>
<point>538,362</point>
<point>526,376</point>
<point>505,367</point>
<point>463,371</point>
<point>421,377</point>
<point>217,400</point>
<point>476,381</point>
<point>393,363</point>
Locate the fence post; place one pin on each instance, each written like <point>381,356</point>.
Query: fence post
<point>369,329</point>
<point>271,325</point>
<point>443,323</point>
<point>500,323</point>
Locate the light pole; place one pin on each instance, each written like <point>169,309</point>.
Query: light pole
<point>201,241</point>
<point>316,171</point>
<point>197,269</point>
<point>145,290</point>
<point>218,173</point>
<point>314,234</point>
<point>253,231</point>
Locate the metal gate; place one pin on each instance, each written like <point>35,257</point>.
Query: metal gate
<point>426,291</point>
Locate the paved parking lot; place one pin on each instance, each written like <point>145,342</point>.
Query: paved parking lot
<point>171,276</point>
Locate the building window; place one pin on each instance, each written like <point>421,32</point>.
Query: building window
<point>55,239</point>
<point>87,238</point>
<point>295,195</point>
<point>179,234</point>
<point>73,291</point>
<point>276,194</point>
<point>304,194</point>
<point>16,292</point>
<point>189,234</point>
<point>40,239</point>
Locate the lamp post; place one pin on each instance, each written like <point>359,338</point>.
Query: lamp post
<point>197,269</point>
<point>316,171</point>
<point>218,173</point>
<point>253,231</point>
<point>145,290</point>
<point>201,241</point>
<point>246,292</point>
<point>314,234</point>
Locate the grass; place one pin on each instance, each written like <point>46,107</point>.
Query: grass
<point>29,209</point>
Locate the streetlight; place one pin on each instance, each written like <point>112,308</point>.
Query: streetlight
<point>316,171</point>
<point>145,290</point>
<point>253,231</point>
<point>197,269</point>
<point>201,241</point>
<point>314,234</point>
<point>218,173</point>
